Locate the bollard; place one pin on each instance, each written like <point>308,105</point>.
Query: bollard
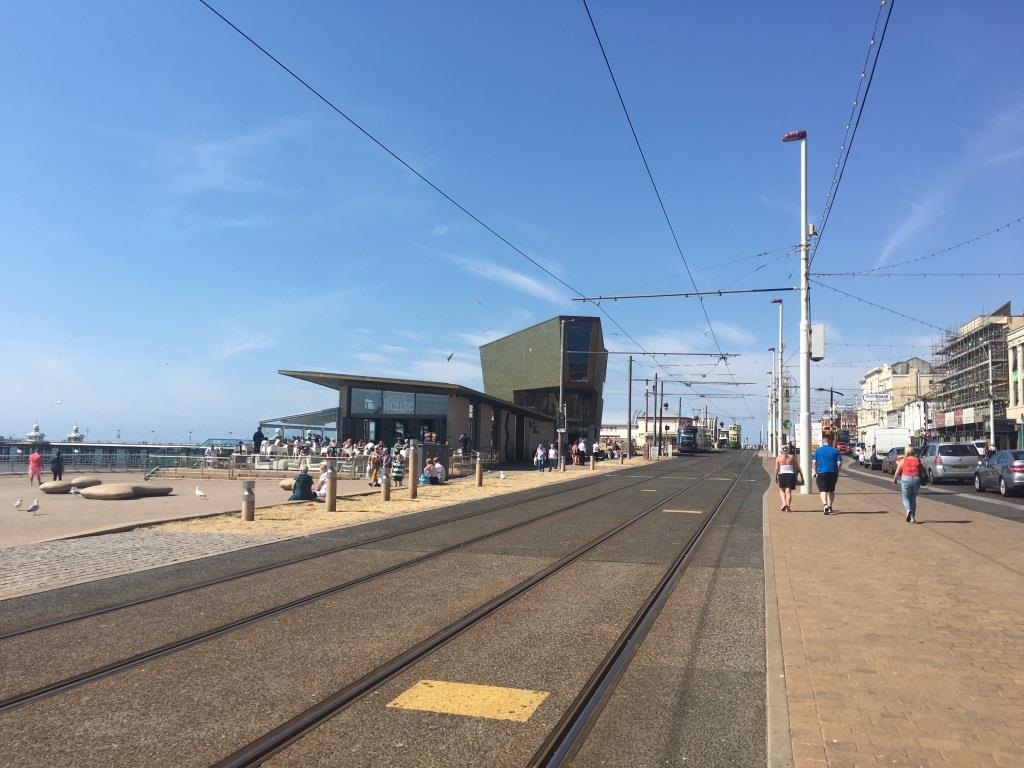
<point>332,490</point>
<point>593,462</point>
<point>479,472</point>
<point>561,463</point>
<point>385,488</point>
<point>622,458</point>
<point>249,500</point>
<point>413,472</point>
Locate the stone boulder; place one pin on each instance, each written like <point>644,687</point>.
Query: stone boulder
<point>85,481</point>
<point>288,484</point>
<point>115,491</point>
<point>56,486</point>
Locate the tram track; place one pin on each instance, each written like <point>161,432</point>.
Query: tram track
<point>296,560</point>
<point>279,738</point>
<point>106,670</point>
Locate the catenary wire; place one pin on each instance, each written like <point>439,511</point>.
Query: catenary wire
<point>654,184</point>
<point>858,105</point>
<point>878,306</point>
<point>417,173</point>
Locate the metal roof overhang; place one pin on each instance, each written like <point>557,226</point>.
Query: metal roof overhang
<point>338,380</point>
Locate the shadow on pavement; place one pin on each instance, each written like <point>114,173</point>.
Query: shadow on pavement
<point>941,522</point>
<point>862,512</point>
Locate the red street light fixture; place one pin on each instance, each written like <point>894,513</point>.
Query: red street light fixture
<point>794,135</point>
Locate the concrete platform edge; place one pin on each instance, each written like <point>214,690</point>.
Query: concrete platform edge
<point>779,747</point>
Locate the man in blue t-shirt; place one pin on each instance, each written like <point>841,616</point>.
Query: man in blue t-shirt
<point>827,462</point>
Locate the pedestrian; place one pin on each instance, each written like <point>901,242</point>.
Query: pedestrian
<point>908,475</point>
<point>397,468</point>
<point>786,475</point>
<point>35,467</point>
<point>57,466</point>
<point>552,457</point>
<point>258,438</point>
<point>374,462</point>
<point>541,458</point>
<point>464,443</point>
<point>827,463</point>
<point>303,490</point>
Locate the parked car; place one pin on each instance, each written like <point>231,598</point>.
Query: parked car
<point>950,461</point>
<point>889,462</point>
<point>980,446</point>
<point>1003,470</point>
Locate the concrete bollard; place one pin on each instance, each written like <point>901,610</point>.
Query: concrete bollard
<point>385,488</point>
<point>413,472</point>
<point>479,472</point>
<point>332,490</point>
<point>593,462</point>
<point>249,500</point>
<point>622,458</point>
<point>561,463</point>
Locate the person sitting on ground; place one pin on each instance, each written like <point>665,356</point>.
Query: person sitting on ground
<point>321,483</point>
<point>303,490</point>
<point>440,474</point>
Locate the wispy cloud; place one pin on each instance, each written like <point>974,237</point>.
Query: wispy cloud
<point>372,358</point>
<point>510,278</point>
<point>480,338</point>
<point>234,342</point>
<point>921,215</point>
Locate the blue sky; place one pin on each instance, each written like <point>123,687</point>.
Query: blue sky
<point>181,219</point>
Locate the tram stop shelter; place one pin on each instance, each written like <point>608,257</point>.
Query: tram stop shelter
<point>375,408</point>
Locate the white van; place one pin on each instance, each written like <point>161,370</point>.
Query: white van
<point>879,441</point>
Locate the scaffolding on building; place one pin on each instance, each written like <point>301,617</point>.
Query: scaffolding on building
<point>971,367</point>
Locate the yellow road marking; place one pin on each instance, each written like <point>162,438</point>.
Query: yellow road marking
<point>490,701</point>
<point>683,511</point>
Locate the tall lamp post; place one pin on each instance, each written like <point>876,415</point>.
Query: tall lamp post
<point>804,438</point>
<point>778,410</point>
<point>772,408</point>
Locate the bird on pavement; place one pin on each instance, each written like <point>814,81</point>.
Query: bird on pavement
<point>200,492</point>
<point>17,504</point>
<point>33,506</point>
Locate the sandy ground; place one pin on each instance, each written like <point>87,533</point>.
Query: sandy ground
<point>301,518</point>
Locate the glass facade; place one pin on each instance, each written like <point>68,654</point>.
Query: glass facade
<point>577,345</point>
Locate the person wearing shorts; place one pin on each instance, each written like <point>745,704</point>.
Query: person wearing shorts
<point>35,467</point>
<point>785,476</point>
<point>827,463</point>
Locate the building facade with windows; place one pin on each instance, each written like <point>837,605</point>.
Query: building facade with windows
<point>973,365</point>
<point>524,368</point>
<point>904,382</point>
<point>1015,403</point>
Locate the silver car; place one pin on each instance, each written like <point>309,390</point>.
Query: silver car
<point>950,461</point>
<point>1003,470</point>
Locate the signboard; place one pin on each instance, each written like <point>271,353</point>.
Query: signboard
<point>817,342</point>
<point>969,416</point>
<point>939,420</point>
<point>950,418</point>
<point>815,433</point>
<point>877,397</point>
<point>787,424</point>
<point>399,402</point>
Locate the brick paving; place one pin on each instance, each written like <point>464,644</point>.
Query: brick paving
<point>902,644</point>
<point>53,564</point>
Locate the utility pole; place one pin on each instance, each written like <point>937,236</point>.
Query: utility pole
<point>561,389</point>
<point>629,412</point>
<point>661,410</point>
<point>773,412</point>
<point>656,408</point>
<point>647,393</point>
<point>805,315</point>
<point>778,409</point>
<point>991,401</point>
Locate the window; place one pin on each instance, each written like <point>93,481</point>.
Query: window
<point>577,345</point>
<point>431,405</point>
<point>957,450</point>
<point>366,402</point>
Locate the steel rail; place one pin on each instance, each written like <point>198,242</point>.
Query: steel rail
<point>277,739</point>
<point>75,681</point>
<point>568,735</point>
<point>280,564</point>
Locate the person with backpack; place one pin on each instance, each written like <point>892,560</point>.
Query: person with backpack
<point>908,474</point>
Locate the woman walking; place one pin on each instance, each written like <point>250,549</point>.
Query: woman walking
<point>908,475</point>
<point>785,475</point>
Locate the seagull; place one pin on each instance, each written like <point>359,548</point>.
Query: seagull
<point>75,491</point>
<point>17,504</point>
<point>450,357</point>
<point>200,492</point>
<point>59,402</point>
<point>33,506</point>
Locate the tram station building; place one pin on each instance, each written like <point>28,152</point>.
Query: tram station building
<point>525,367</point>
<point>375,408</point>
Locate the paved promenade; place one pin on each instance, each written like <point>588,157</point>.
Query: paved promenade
<point>903,644</point>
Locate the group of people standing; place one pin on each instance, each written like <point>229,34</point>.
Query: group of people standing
<point>35,466</point>
<point>827,462</point>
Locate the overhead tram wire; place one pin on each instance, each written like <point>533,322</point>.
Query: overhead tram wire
<point>932,255</point>
<point>922,274</point>
<point>878,306</point>
<point>856,112</point>
<point>341,113</point>
<point>654,184</point>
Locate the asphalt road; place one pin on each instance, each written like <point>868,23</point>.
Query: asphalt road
<point>196,706</point>
<point>963,496</point>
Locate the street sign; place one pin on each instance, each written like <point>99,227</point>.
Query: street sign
<point>787,424</point>
<point>877,397</point>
